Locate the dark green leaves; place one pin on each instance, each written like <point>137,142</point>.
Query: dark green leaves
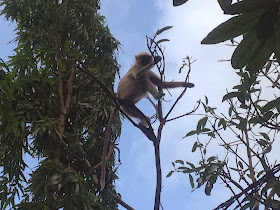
<point>43,91</point>
<point>230,95</point>
<point>252,52</point>
<point>169,174</point>
<point>224,4</point>
<point>162,40</point>
<point>230,29</point>
<point>271,105</point>
<point>256,21</point>
<point>201,124</point>
<point>163,29</point>
<point>245,50</point>
<point>178,2</point>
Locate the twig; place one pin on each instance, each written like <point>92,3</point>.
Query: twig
<point>157,202</point>
<point>253,186</point>
<point>186,114</point>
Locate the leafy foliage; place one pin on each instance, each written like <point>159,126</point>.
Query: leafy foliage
<point>250,129</point>
<point>51,110</point>
<point>248,133</point>
<point>258,22</point>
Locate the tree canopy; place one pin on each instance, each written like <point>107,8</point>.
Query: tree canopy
<point>52,110</point>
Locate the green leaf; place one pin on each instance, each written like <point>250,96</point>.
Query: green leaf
<point>205,130</point>
<point>190,164</point>
<point>242,124</point>
<point>241,98</point>
<point>162,40</point>
<point>62,64</point>
<point>194,147</point>
<point>190,133</point>
<point>270,105</point>
<point>163,29</point>
<point>247,6</point>
<point>255,120</point>
<point>224,4</point>
<point>67,45</point>
<point>179,161</point>
<point>261,56</point>
<point>169,174</point>
<point>232,28</point>
<point>230,95</point>
<point>230,111</point>
<point>265,136</point>
<point>262,142</point>
<point>201,123</point>
<point>211,134</point>
<point>245,50</point>
<point>277,188</point>
<point>178,2</point>
<point>222,122</point>
<point>240,164</point>
<point>211,159</point>
<point>206,100</point>
<point>267,115</point>
<point>188,170</point>
<point>277,47</point>
<point>191,180</point>
<point>183,168</point>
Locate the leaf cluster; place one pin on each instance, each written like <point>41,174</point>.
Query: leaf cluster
<point>40,78</point>
<point>258,22</point>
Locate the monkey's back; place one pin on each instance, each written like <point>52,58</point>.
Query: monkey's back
<point>132,89</point>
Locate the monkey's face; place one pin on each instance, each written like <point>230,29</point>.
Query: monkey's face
<point>146,59</point>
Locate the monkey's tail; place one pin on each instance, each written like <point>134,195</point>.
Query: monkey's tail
<point>177,84</point>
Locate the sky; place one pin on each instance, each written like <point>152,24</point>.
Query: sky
<point>130,21</point>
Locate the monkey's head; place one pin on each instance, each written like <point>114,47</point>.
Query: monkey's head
<point>144,59</point>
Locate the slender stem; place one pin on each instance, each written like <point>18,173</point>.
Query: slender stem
<point>159,175</point>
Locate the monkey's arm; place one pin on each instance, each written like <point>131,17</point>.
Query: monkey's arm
<point>156,80</point>
<point>139,72</point>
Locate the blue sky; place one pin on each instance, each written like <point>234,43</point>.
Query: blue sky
<point>130,21</point>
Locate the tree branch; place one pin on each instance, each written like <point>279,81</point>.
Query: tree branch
<point>105,148</point>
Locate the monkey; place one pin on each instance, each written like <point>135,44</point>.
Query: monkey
<point>138,82</point>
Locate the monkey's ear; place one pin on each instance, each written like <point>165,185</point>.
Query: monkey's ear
<point>157,59</point>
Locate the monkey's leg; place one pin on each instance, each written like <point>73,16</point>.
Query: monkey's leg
<point>156,107</point>
<point>133,111</point>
